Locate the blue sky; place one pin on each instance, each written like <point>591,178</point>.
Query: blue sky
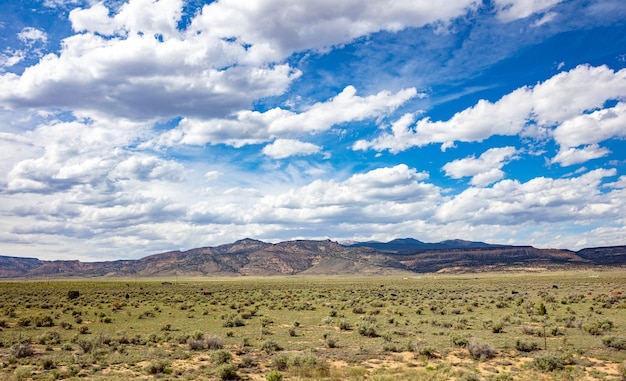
<point>134,127</point>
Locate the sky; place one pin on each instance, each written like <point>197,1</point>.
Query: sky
<point>129,128</point>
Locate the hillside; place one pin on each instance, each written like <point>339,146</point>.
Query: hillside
<point>250,257</point>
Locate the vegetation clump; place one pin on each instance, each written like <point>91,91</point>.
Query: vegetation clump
<point>480,350</point>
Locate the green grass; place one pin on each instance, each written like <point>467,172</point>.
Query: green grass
<point>482,326</point>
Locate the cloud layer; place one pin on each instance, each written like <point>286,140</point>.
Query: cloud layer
<point>151,125</point>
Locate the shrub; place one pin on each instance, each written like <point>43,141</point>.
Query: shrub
<point>247,362</point>
<point>73,294</point>
<point>331,342</point>
<point>308,366</point>
<point>51,337</point>
<point>358,310</point>
<point>44,321</point>
<point>526,346</point>
<point>65,325</point>
<point>24,322</point>
<point>460,341</point>
<point>158,367</point>
<point>497,327</point>
<point>614,342</point>
<point>479,350</point>
<point>196,344</point>
<point>85,345</point>
<point>22,350</point>
<point>597,328</point>
<point>530,330</point>
<point>221,356</point>
<point>274,375</point>
<point>426,351</point>
<point>214,342</point>
<point>227,372</point>
<point>367,330</point>
<point>344,325</point>
<point>548,362</point>
<point>270,346</point>
<point>48,364</point>
<point>233,321</point>
<point>280,361</point>
<point>541,310</point>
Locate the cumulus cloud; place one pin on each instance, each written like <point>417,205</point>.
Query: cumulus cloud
<point>570,156</point>
<point>229,55</point>
<point>275,29</point>
<point>134,61</point>
<point>248,127</point>
<point>383,194</point>
<point>85,154</point>
<point>283,148</point>
<point>485,169</point>
<point>560,100</point>
<point>540,200</point>
<point>593,127</point>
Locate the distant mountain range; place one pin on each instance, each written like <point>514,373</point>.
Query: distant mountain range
<point>250,257</point>
<point>406,244</point>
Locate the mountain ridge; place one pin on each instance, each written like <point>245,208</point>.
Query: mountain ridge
<point>249,257</point>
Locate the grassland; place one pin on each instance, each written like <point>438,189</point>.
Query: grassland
<point>567,326</point>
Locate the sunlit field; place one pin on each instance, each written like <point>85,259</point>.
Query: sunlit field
<point>564,326</point>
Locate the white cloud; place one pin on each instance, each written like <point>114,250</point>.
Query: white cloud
<point>11,57</point>
<point>565,96</point>
<point>250,127</point>
<point>540,200</point>
<point>485,169</point>
<point>231,53</point>
<point>30,35</point>
<point>382,195</point>
<point>83,154</point>
<point>509,10</point>
<point>594,127</point>
<point>548,17</point>
<point>151,17</point>
<point>571,156</point>
<point>61,3</point>
<point>226,59</point>
<point>275,29</point>
<point>283,148</point>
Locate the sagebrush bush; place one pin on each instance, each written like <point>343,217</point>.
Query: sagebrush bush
<point>270,346</point>
<point>460,341</point>
<point>614,342</point>
<point>22,350</point>
<point>597,328</point>
<point>227,372</point>
<point>158,367</point>
<point>344,325</point>
<point>548,362</point>
<point>479,350</point>
<point>221,356</point>
<point>526,346</point>
<point>214,342</point>
<point>367,329</point>
<point>196,344</point>
<point>274,375</point>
